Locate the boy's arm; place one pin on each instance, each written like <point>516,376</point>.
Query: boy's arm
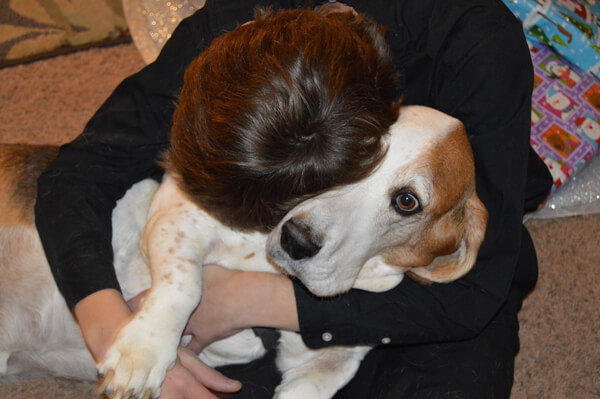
<point>99,316</point>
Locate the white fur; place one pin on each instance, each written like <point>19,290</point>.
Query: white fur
<point>356,223</point>
<point>37,331</point>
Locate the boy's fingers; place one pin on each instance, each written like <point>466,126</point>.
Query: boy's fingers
<point>207,376</point>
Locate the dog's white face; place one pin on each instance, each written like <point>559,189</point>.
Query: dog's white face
<point>418,211</point>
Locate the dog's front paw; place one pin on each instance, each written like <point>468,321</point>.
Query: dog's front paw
<point>137,361</point>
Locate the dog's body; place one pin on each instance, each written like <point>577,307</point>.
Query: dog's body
<point>417,212</point>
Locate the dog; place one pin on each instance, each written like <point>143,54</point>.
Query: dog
<point>417,213</point>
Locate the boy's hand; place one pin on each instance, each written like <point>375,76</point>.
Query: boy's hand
<point>100,317</point>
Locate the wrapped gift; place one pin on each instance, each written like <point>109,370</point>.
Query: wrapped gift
<point>565,114</point>
<point>569,27</point>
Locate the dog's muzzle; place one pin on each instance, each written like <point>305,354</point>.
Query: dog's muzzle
<point>297,240</point>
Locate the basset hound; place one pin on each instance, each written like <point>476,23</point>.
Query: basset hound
<point>417,213</point>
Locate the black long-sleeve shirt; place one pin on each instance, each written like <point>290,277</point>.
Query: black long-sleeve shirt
<point>467,58</point>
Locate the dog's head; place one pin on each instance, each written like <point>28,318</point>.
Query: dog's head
<point>418,211</point>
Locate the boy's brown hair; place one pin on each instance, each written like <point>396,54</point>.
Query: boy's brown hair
<point>282,109</point>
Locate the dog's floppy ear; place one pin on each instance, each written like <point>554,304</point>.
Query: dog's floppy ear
<point>450,267</point>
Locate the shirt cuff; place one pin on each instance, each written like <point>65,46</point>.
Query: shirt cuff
<point>329,321</point>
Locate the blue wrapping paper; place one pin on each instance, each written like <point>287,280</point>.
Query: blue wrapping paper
<point>569,27</point>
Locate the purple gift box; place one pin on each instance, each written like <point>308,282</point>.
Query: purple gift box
<point>565,115</point>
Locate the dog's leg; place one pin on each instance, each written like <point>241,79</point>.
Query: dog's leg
<point>240,348</point>
<point>175,246</point>
<point>315,374</point>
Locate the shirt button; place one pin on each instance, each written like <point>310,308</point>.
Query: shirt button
<point>326,337</point>
<point>386,340</point>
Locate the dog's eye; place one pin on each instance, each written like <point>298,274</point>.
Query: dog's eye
<point>406,203</point>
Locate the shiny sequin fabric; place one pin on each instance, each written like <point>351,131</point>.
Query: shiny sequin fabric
<point>151,22</point>
<point>579,196</point>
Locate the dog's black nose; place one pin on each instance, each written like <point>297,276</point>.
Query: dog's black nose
<point>296,240</point>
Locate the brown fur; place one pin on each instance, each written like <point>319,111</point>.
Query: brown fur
<point>457,221</point>
<point>280,110</point>
<point>20,167</point>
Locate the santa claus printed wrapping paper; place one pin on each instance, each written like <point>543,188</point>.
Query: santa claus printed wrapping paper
<point>565,114</point>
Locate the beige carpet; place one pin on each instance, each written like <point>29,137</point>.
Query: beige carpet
<point>50,101</point>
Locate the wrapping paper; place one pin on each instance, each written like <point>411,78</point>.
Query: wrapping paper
<point>570,27</point>
<point>565,114</point>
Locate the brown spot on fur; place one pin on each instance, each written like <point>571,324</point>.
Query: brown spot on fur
<point>20,167</point>
<point>181,267</point>
<point>250,255</point>
<point>185,260</point>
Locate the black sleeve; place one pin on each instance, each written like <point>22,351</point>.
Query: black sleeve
<point>486,81</point>
<point>120,146</point>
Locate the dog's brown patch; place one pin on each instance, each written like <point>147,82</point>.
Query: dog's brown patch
<point>446,245</point>
<point>20,167</point>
